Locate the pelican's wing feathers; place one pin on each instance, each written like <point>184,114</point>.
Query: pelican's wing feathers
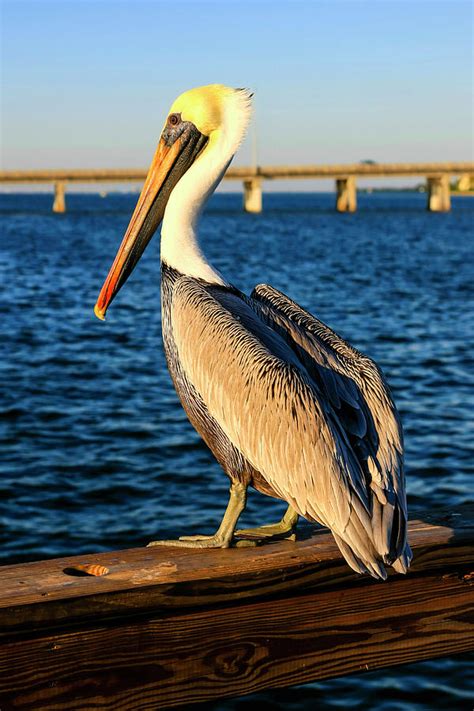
<point>264,398</point>
<point>361,400</point>
<point>351,381</point>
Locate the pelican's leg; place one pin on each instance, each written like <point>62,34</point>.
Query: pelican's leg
<point>222,538</point>
<point>283,529</point>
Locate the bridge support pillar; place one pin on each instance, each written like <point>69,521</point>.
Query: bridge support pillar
<point>439,197</point>
<point>59,204</point>
<point>253,195</point>
<point>464,183</point>
<point>346,200</point>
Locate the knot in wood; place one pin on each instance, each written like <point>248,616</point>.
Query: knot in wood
<point>231,662</point>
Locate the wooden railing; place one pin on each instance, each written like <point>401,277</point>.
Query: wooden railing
<point>168,627</point>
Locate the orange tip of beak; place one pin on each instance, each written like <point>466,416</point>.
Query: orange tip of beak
<point>100,313</point>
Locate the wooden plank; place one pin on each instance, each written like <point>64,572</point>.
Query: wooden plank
<point>169,627</point>
<point>142,579</point>
<point>172,658</point>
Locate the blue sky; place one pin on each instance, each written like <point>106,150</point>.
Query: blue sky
<point>87,83</point>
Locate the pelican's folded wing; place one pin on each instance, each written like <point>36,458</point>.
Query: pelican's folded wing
<point>362,403</point>
<point>258,390</point>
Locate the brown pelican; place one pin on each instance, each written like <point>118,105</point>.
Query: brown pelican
<point>284,403</point>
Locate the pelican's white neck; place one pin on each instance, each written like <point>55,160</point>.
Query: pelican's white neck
<point>179,241</point>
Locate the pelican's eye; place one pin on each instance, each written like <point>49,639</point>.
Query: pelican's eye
<point>174,119</point>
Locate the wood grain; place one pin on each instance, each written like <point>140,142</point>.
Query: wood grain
<point>169,627</point>
<point>174,659</point>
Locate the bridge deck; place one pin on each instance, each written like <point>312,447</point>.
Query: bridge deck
<point>242,173</point>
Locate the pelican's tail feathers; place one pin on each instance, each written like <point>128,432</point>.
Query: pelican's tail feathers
<point>402,563</point>
<point>365,559</point>
<point>373,567</point>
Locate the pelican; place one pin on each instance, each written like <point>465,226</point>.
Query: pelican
<point>284,403</point>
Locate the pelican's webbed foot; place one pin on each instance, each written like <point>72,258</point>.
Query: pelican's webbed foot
<point>205,542</point>
<point>223,537</point>
<point>284,529</point>
<point>214,541</point>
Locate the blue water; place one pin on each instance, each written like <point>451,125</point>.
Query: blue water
<point>96,452</point>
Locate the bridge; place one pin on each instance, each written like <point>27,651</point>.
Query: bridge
<point>437,175</point>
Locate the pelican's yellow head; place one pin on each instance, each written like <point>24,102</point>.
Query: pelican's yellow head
<point>208,107</point>
<point>197,120</point>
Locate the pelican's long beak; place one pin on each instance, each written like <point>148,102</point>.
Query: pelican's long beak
<point>172,159</point>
